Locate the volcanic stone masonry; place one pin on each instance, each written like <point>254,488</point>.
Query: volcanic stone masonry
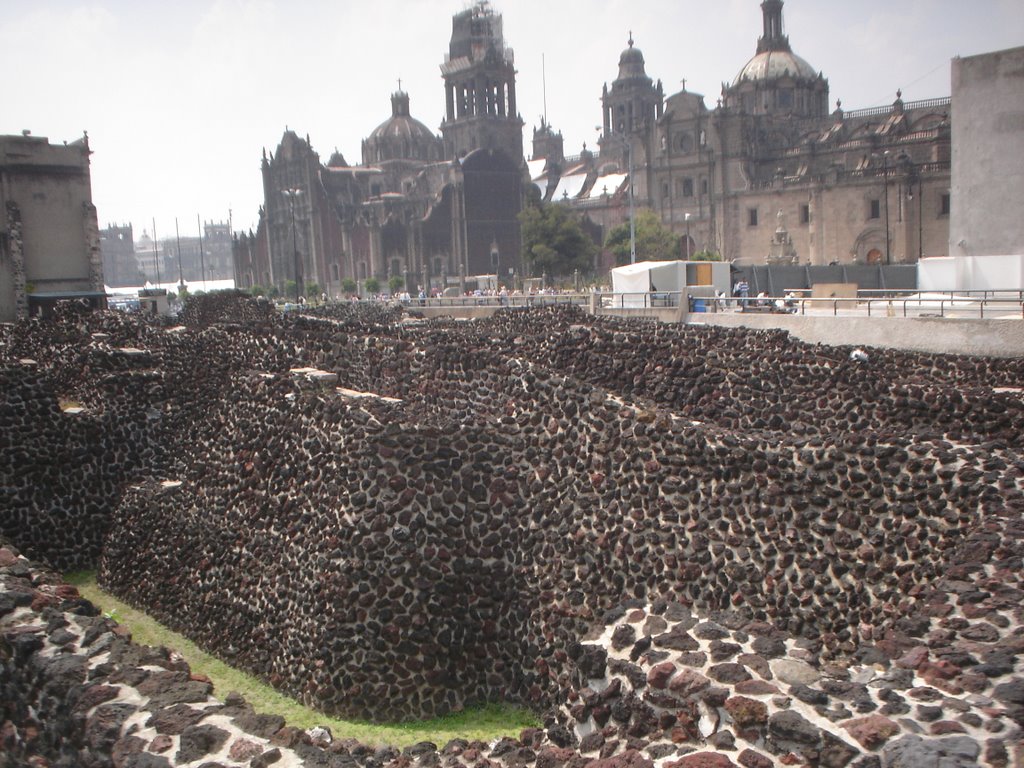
<point>454,512</point>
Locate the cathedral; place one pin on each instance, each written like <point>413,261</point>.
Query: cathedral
<point>432,211</point>
<point>769,174</point>
<point>772,173</point>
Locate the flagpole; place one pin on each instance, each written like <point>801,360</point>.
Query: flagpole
<point>202,256</point>
<point>156,254</point>
<point>177,238</point>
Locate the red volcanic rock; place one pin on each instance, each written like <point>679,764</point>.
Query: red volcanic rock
<point>659,675</point>
<point>703,760</point>
<point>688,682</point>
<point>243,750</point>
<point>913,658</point>
<point>631,758</point>
<point>756,688</point>
<point>872,731</point>
<point>945,727</point>
<point>751,759</point>
<point>746,712</point>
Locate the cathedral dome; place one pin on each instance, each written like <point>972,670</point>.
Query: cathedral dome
<point>401,137</point>
<point>631,64</point>
<point>401,124</point>
<point>774,65</point>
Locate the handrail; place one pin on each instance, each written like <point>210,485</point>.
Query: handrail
<point>986,303</point>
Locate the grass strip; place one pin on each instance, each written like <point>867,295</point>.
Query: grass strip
<point>480,723</point>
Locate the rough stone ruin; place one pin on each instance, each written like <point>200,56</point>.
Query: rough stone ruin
<point>686,546</point>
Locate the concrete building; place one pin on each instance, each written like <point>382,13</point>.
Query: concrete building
<point>988,155</point>
<point>49,236</point>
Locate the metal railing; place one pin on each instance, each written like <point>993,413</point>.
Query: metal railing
<point>868,303</point>
<point>909,306</point>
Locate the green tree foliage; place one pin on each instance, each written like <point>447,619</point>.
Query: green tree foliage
<point>706,255</point>
<point>654,241</point>
<point>372,285</point>
<point>256,290</point>
<point>313,289</point>
<point>554,242</point>
<point>396,283</point>
<point>349,287</point>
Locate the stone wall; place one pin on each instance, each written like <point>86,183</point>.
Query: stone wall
<point>450,538</point>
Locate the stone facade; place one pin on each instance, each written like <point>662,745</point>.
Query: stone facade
<point>120,265</point>
<point>429,211</point>
<point>514,508</point>
<point>50,244</point>
<point>867,186</point>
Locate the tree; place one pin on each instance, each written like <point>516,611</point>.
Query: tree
<point>654,241</point>
<point>372,285</point>
<point>349,287</point>
<point>313,289</point>
<point>553,241</point>
<point>396,283</point>
<point>257,290</point>
<point>706,255</point>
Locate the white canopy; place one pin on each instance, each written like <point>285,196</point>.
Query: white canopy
<point>648,277</point>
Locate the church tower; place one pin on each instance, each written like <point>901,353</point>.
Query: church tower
<point>480,87</point>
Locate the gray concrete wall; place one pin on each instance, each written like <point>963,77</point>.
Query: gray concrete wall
<point>987,194</point>
<point>988,338</point>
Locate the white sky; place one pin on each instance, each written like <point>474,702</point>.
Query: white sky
<point>180,98</point>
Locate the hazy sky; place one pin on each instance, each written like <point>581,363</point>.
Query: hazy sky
<point>180,98</point>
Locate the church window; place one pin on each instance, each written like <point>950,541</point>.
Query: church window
<point>785,98</point>
<point>687,187</point>
<point>685,142</point>
<point>944,204</point>
<point>805,214</point>
<point>703,186</point>
<point>752,217</point>
<point>874,209</point>
<point>666,191</point>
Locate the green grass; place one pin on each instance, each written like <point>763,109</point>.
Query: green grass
<point>483,723</point>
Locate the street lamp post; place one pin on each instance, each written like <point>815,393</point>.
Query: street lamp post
<point>293,195</point>
<point>885,174</point>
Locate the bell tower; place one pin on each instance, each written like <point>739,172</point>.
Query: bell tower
<point>480,87</point>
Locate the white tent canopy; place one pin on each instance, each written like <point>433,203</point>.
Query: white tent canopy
<point>648,277</point>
